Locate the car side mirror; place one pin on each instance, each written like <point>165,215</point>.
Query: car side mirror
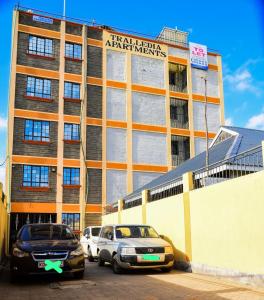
<point>87,236</point>
<point>162,236</point>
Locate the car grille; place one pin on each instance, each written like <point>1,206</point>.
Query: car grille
<point>149,250</point>
<point>51,255</point>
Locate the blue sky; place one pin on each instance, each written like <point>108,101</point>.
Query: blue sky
<point>235,28</point>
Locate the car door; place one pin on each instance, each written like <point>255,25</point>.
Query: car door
<point>105,243</point>
<point>84,240</point>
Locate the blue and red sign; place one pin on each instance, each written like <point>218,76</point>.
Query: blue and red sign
<point>198,56</point>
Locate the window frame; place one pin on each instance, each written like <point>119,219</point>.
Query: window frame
<point>68,179</point>
<point>72,126</point>
<point>34,48</point>
<point>37,138</point>
<point>31,183</point>
<point>73,54</point>
<point>71,90</point>
<point>75,220</point>
<point>32,83</point>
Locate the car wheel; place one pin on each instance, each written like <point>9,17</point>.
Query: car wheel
<point>116,268</point>
<point>78,275</point>
<point>13,277</point>
<point>166,270</point>
<point>100,261</point>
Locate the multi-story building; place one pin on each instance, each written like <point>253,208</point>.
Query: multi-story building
<point>95,113</point>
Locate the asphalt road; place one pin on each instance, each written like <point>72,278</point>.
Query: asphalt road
<point>101,283</point>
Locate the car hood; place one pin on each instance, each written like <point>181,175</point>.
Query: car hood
<point>30,246</point>
<point>143,242</point>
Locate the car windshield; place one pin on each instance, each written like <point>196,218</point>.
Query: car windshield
<point>46,232</point>
<point>96,231</point>
<point>123,232</point>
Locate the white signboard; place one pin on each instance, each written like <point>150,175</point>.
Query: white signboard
<point>198,56</point>
<point>42,19</point>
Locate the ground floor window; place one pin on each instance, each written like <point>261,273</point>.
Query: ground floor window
<point>72,220</point>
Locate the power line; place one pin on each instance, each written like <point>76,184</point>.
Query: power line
<point>3,163</point>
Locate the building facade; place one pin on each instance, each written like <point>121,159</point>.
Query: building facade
<point>95,113</point>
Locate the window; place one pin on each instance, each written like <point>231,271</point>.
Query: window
<point>178,78</point>
<point>180,149</point>
<point>40,46</point>
<point>37,131</point>
<point>37,87</point>
<point>71,176</point>
<point>72,132</point>
<point>72,220</point>
<point>71,90</point>
<point>179,113</point>
<point>73,51</point>
<point>35,176</point>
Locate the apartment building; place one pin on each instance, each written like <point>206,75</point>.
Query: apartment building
<point>95,113</point>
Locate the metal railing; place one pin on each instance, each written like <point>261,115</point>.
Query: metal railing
<point>165,190</point>
<point>155,38</point>
<point>245,163</point>
<point>136,200</point>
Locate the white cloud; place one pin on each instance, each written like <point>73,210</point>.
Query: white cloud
<point>256,122</point>
<point>229,122</point>
<point>242,80</point>
<point>3,123</point>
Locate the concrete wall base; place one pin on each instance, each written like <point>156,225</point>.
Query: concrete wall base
<point>244,278</point>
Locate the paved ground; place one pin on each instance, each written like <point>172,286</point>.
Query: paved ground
<point>100,283</point>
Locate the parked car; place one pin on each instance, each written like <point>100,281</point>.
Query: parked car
<point>89,241</point>
<point>134,247</point>
<point>37,245</point>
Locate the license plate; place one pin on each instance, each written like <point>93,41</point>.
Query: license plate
<point>150,257</point>
<point>41,264</point>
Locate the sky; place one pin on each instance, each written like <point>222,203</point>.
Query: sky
<point>234,28</point>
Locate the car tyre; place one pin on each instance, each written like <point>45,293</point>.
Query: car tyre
<point>78,275</point>
<point>90,255</point>
<point>100,261</point>
<point>116,268</point>
<point>166,270</point>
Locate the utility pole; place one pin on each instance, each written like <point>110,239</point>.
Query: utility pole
<point>64,9</point>
<point>206,127</point>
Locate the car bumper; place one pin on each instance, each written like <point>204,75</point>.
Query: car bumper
<point>27,266</point>
<point>132,262</point>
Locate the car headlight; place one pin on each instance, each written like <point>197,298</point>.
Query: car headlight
<point>128,251</point>
<point>19,253</point>
<point>78,251</point>
<point>168,250</point>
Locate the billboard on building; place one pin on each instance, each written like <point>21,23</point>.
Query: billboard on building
<point>198,56</point>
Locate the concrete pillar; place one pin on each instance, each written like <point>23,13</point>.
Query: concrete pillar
<point>187,182</point>
<point>187,187</point>
<point>120,208</point>
<point>262,151</point>
<point>145,195</point>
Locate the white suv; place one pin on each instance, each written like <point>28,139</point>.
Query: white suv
<point>89,241</point>
<point>134,247</point>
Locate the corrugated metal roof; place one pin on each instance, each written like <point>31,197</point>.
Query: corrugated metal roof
<point>245,140</point>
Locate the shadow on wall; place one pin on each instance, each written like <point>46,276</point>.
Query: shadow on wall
<point>182,261</point>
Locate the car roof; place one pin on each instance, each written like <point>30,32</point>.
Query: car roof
<point>115,225</point>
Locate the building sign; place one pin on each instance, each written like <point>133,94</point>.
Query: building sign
<point>198,56</point>
<point>42,19</point>
<point>135,45</point>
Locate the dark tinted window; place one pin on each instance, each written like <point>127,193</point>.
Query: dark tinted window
<point>45,232</point>
<point>95,231</point>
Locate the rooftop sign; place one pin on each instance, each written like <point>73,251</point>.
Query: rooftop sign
<point>42,19</point>
<point>198,56</point>
<point>135,45</point>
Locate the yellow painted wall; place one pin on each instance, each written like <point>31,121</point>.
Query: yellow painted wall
<point>110,219</point>
<point>220,226</point>
<point>227,224</point>
<point>3,224</point>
